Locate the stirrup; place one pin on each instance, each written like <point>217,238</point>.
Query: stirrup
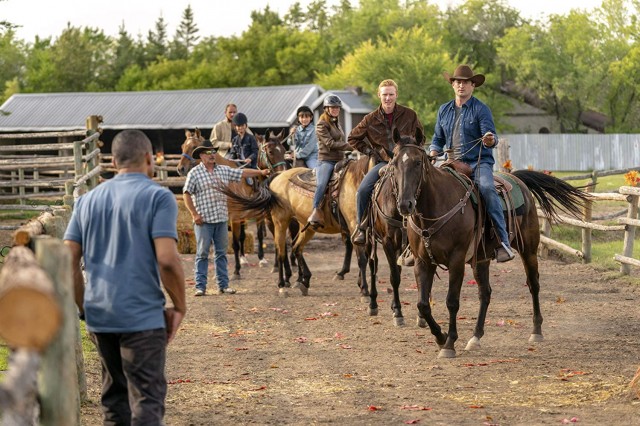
<point>504,253</point>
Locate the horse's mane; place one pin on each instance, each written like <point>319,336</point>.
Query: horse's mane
<point>360,166</point>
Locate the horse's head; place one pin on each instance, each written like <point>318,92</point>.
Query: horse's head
<point>187,162</point>
<point>410,164</point>
<point>272,152</point>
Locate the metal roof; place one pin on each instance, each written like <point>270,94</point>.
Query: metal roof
<point>271,106</point>
<point>352,102</point>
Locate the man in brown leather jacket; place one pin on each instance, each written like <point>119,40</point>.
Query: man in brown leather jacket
<point>374,136</point>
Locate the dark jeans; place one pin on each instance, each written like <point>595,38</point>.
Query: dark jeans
<point>133,383</point>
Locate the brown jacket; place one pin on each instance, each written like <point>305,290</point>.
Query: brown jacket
<point>373,132</point>
<point>331,144</point>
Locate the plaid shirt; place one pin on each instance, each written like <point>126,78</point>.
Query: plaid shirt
<point>210,203</point>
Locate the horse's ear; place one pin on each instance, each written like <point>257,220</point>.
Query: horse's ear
<point>419,136</point>
<point>396,135</point>
<point>267,134</point>
<point>198,135</point>
<point>187,133</point>
<point>280,135</point>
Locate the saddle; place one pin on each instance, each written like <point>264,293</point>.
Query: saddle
<point>306,182</point>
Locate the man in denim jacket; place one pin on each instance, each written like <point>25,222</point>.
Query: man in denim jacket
<point>465,131</point>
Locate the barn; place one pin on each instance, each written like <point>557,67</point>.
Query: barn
<point>164,115</point>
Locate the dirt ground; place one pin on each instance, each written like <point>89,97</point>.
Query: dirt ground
<point>258,358</point>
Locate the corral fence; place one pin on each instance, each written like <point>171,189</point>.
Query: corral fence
<point>62,172</point>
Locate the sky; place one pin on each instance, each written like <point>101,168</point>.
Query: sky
<point>213,17</point>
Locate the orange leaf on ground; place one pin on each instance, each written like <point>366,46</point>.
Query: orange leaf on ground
<point>472,282</point>
<point>310,319</point>
<point>259,389</point>
<point>476,406</point>
<point>415,408</point>
<point>412,422</point>
<point>373,408</point>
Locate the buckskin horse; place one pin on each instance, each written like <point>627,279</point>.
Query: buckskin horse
<point>271,155</point>
<point>285,198</point>
<point>444,231</point>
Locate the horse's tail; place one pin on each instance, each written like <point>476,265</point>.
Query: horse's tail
<point>256,205</point>
<point>546,188</point>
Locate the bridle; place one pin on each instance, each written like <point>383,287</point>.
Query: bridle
<point>187,156</point>
<point>264,158</point>
<point>425,171</point>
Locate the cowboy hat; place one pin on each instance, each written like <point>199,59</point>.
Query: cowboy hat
<point>206,146</point>
<point>464,72</point>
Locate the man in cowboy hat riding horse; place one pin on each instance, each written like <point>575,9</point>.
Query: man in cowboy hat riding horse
<point>465,126</point>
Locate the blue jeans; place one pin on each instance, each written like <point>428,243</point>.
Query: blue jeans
<point>366,189</point>
<point>323,176</point>
<point>311,162</point>
<point>483,176</point>
<point>205,235</point>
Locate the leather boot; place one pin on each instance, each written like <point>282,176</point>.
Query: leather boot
<point>504,253</point>
<point>359,237</point>
<point>316,220</point>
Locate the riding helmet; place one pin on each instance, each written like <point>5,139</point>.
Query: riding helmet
<point>332,100</point>
<point>239,119</point>
<point>306,109</point>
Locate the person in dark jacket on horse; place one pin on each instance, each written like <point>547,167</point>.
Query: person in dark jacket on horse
<point>465,127</point>
<point>374,136</point>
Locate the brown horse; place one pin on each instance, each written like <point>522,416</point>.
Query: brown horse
<point>283,200</point>
<point>442,225</point>
<point>271,156</point>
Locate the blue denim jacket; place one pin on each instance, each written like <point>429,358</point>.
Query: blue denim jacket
<point>475,121</point>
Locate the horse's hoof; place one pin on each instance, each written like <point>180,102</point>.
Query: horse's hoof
<point>274,270</point>
<point>304,290</point>
<point>365,299</point>
<point>398,321</point>
<point>287,284</point>
<point>283,292</point>
<point>373,312</point>
<point>338,277</point>
<point>421,322</point>
<point>243,260</point>
<point>536,338</point>
<point>236,277</point>
<point>447,353</point>
<point>473,344</point>
<point>263,263</point>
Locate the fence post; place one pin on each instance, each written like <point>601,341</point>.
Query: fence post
<point>59,378</point>
<point>21,191</point>
<point>587,217</point>
<point>93,123</point>
<point>630,233</point>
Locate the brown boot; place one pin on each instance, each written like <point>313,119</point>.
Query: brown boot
<point>316,220</point>
<point>359,237</point>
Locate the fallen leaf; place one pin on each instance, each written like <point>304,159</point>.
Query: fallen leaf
<point>415,408</point>
<point>560,299</point>
<point>500,323</point>
<point>310,319</point>
<point>242,349</point>
<point>373,408</point>
<point>472,282</point>
<point>412,422</point>
<point>338,335</point>
<point>258,389</point>
<point>476,406</point>
<point>345,347</point>
<point>300,339</point>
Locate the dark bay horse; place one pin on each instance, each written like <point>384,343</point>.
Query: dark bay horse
<point>442,225</point>
<point>271,156</point>
<point>284,201</point>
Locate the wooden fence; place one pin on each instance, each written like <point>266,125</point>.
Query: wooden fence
<point>72,170</point>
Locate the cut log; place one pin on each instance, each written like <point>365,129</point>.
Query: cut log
<point>30,315</point>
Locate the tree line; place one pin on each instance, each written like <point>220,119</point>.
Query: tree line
<point>585,60</point>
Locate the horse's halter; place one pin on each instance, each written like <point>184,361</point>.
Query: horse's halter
<point>265,158</point>
<point>187,156</point>
<point>425,171</point>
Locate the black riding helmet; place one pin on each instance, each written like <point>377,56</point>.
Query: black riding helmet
<point>239,119</point>
<point>304,109</point>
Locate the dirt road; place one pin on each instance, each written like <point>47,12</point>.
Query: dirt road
<point>258,358</point>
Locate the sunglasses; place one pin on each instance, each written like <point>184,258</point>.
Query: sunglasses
<point>207,152</point>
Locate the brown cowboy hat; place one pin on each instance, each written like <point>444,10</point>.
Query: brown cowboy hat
<point>206,146</point>
<point>464,72</point>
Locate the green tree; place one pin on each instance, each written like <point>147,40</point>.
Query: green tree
<point>185,38</point>
<point>127,53</point>
<point>12,60</point>
<point>78,61</point>
<point>156,45</point>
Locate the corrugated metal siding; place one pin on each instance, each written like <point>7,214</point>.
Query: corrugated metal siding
<point>569,152</point>
<point>270,106</point>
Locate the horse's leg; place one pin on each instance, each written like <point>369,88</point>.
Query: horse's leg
<point>242,239</point>
<point>394,277</point>
<point>235,243</point>
<point>529,258</point>
<point>280,240</point>
<point>362,254</point>
<point>456,276</point>
<point>294,230</point>
<point>424,273</point>
<point>304,274</point>
<point>346,263</point>
<point>261,230</point>
<point>481,275</point>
